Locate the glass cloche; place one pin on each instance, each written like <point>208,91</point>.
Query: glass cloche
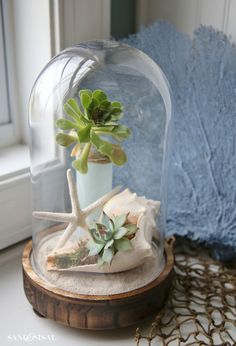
<point>99,116</point>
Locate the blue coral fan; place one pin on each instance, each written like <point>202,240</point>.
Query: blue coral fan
<point>202,75</point>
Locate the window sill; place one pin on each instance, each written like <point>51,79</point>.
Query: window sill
<point>14,161</point>
<point>15,195</point>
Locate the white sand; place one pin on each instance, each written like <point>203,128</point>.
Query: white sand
<point>97,284</point>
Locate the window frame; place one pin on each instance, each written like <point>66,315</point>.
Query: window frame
<point>4,94</point>
<point>58,17</point>
<point>9,131</point>
<point>15,187</point>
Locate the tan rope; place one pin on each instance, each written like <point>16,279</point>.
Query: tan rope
<point>201,309</point>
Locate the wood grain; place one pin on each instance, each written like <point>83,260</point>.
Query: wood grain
<point>96,312</point>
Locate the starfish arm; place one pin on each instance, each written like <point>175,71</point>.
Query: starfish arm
<point>101,201</point>
<point>65,236</point>
<point>73,193</point>
<point>60,217</point>
<point>84,224</point>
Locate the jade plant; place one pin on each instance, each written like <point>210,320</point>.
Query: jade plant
<point>93,124</point>
<point>110,236</point>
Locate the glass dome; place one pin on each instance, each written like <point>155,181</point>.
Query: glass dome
<point>99,118</point>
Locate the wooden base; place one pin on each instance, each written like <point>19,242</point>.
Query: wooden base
<point>96,312</point>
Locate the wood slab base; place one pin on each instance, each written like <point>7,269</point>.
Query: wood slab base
<point>96,312</point>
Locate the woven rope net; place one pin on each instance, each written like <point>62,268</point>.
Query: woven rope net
<point>201,309</point>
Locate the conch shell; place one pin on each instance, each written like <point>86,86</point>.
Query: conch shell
<point>141,212</point>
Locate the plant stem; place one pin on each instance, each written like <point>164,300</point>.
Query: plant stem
<point>84,157</point>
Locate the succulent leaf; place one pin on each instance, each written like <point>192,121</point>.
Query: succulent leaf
<point>65,140</point>
<point>116,111</point>
<point>84,133</point>
<point>100,261</point>
<point>119,221</point>
<point>105,104</point>
<point>110,236</point>
<point>116,117</point>
<point>94,248</point>
<point>113,151</point>
<point>116,104</point>
<point>131,229</point>
<point>81,164</point>
<point>123,244</point>
<point>96,236</point>
<point>95,116</point>
<point>111,225</point>
<point>72,109</point>
<point>85,91</point>
<point>109,244</point>
<point>118,156</point>
<point>120,233</point>
<point>121,131</point>
<point>64,124</point>
<point>107,255</point>
<point>106,221</point>
<point>99,95</point>
<point>85,100</point>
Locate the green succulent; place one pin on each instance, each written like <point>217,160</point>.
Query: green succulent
<point>95,118</point>
<point>111,236</point>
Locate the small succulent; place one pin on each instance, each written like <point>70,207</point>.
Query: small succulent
<point>111,236</point>
<point>95,118</point>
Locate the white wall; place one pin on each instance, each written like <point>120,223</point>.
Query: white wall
<point>186,15</point>
<point>83,20</point>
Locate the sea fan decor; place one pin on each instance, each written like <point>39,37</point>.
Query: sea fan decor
<point>202,75</point>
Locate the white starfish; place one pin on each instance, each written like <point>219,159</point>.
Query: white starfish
<point>77,218</point>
